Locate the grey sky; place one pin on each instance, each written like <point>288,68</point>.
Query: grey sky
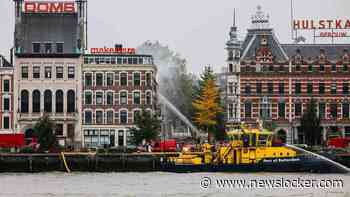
<point>197,29</point>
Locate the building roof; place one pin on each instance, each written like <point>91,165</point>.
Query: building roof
<point>4,62</point>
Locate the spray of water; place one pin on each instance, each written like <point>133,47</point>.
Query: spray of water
<point>170,106</point>
<point>320,157</point>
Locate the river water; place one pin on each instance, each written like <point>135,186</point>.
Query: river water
<point>156,184</point>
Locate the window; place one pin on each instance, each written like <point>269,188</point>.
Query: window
<point>88,98</point>
<point>265,109</point>
<point>47,101</point>
<point>310,68</point>
<point>110,117</point>
<point>333,110</point>
<point>148,98</point>
<point>59,129</point>
<point>334,68</point>
<point>36,101</point>
<point>230,111</point>
<point>110,77</point>
<point>123,97</point>
<point>345,88</point>
<point>6,85</point>
<point>137,98</point>
<point>136,115</point>
<point>321,88</point>
<point>333,88</point>
<point>123,79</point>
<point>321,68</point>
<point>36,72</point>
<point>48,72</point>
<point>59,47</point>
<point>88,117</point>
<point>88,79</point>
<point>99,79</point>
<point>99,117</point>
<point>281,110</point>
<point>345,110</point>
<point>110,98</point>
<point>309,87</point>
<point>258,88</point>
<point>48,47</point>
<point>6,104</point>
<point>298,67</point>
<point>59,72</point>
<point>36,47</point>
<point>281,88</point>
<point>123,117</point>
<point>345,68</point>
<point>297,87</point>
<point>148,79</point>
<point>322,110</point>
<point>230,68</point>
<point>24,72</point>
<point>297,109</point>
<point>71,72</point>
<point>99,98</point>
<point>70,101</point>
<point>247,89</point>
<point>248,109</point>
<point>24,101</point>
<point>271,68</point>
<point>6,122</point>
<point>59,101</point>
<point>137,79</point>
<point>270,87</point>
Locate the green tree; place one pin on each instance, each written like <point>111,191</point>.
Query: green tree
<point>310,124</point>
<point>146,127</point>
<point>44,131</point>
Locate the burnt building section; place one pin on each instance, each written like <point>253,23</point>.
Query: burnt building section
<point>277,81</point>
<point>50,39</point>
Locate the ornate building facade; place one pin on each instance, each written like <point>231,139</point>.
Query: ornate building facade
<point>6,97</point>
<point>275,82</point>
<point>115,89</point>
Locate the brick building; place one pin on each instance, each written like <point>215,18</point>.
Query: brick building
<point>274,81</point>
<point>115,88</point>
<point>6,96</point>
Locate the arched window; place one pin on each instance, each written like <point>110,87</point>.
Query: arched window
<point>47,101</point>
<point>123,117</point>
<point>24,101</point>
<point>148,98</point>
<point>36,101</point>
<point>71,101</point>
<point>59,101</point>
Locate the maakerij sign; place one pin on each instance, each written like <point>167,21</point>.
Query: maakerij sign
<point>106,50</point>
<point>49,7</point>
<point>322,24</point>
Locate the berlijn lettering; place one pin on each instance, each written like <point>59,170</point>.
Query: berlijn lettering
<point>322,24</point>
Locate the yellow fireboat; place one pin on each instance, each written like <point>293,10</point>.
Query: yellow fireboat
<point>249,149</point>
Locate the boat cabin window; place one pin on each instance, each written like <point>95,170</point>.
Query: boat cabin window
<point>262,140</point>
<point>253,140</point>
<point>245,140</point>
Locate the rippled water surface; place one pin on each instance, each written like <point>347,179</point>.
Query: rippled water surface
<point>154,184</point>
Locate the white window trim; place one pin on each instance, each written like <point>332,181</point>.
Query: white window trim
<point>3,125</point>
<point>3,106</point>
<point>133,74</point>
<point>99,110</point>
<point>92,116</point>
<point>108,110</point>
<point>113,77</point>
<point>103,78</point>
<point>95,97</point>
<point>133,113</point>
<point>3,84</point>
<point>75,71</point>
<point>151,97</point>
<point>120,78</point>
<point>148,72</point>
<point>92,97</point>
<point>92,78</point>
<point>127,115</point>
<point>133,93</point>
<point>127,97</point>
<point>106,95</point>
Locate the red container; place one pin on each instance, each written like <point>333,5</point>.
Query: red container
<point>11,140</point>
<point>164,146</point>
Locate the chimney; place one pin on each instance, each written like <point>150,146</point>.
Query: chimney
<point>11,56</point>
<point>118,46</point>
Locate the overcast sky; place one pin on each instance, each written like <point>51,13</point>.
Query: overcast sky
<point>197,29</point>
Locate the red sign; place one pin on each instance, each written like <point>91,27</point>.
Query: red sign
<point>321,24</point>
<point>106,50</point>
<point>49,7</point>
<point>11,140</point>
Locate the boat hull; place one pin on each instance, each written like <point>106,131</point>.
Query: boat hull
<point>297,164</point>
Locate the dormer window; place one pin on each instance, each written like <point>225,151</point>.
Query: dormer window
<point>36,47</point>
<point>48,48</point>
